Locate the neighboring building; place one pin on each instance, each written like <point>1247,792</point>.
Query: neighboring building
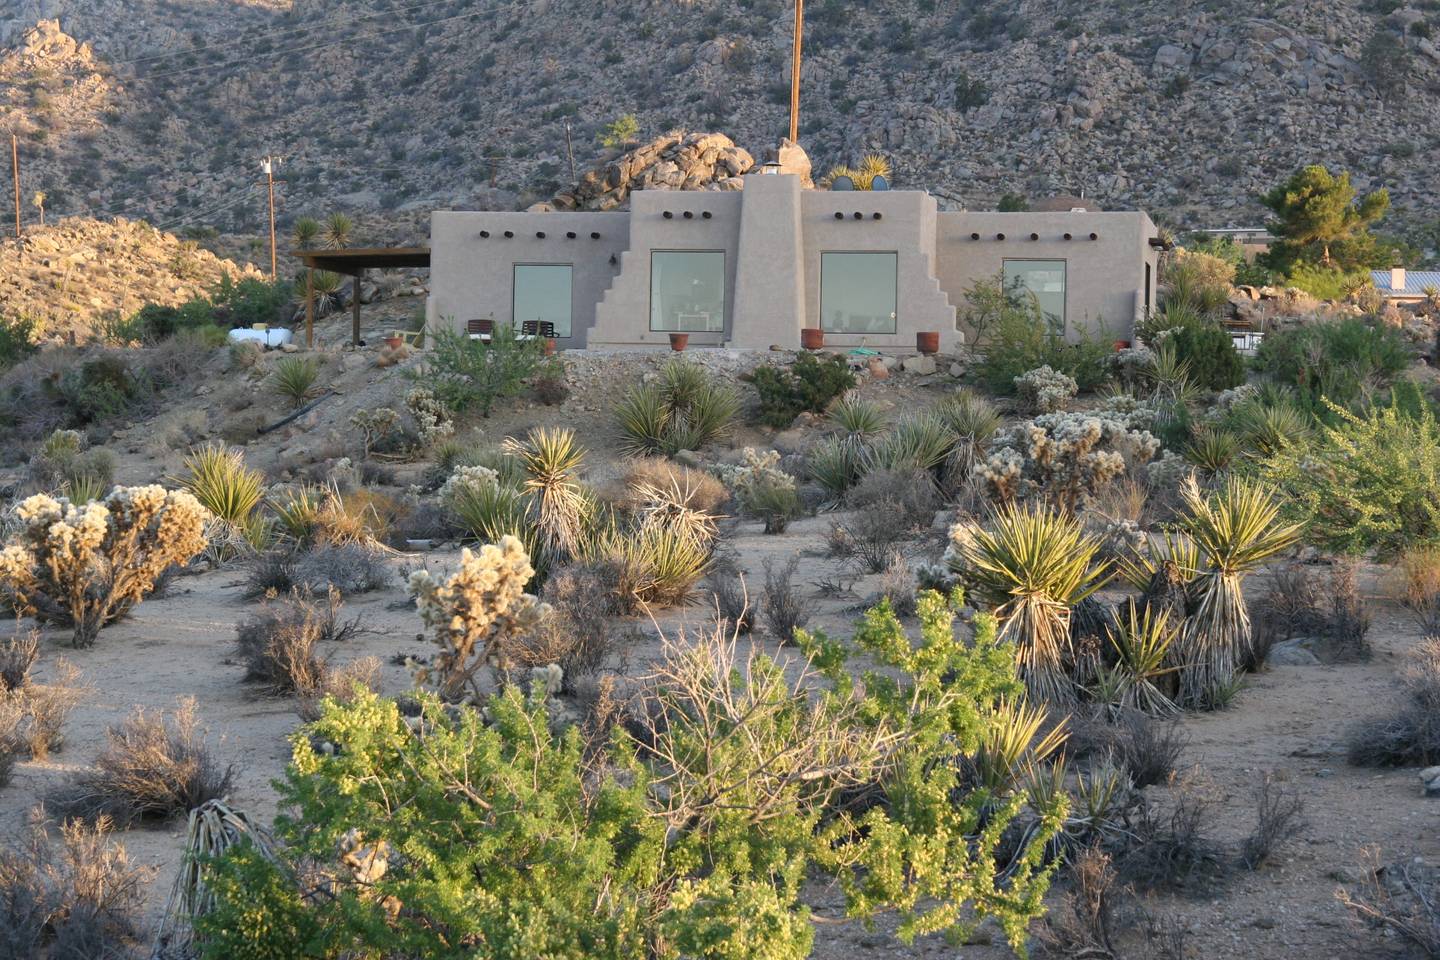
<point>749,269</point>
<point>1398,283</point>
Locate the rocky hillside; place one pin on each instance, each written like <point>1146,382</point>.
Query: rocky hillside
<point>161,108</point>
<point>68,276</point>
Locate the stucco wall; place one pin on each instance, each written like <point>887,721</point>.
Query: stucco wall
<point>1104,278</point>
<point>472,276</point>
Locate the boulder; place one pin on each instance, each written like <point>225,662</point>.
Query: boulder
<point>1293,653</point>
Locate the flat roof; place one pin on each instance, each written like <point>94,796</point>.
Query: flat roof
<point>351,260</point>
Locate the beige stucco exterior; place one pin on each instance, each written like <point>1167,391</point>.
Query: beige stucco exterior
<point>773,235</point>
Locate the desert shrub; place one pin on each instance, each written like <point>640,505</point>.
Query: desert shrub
<point>281,646</point>
<point>1325,283</point>
<point>806,386</point>
<point>870,536</point>
<point>1409,735</point>
<point>250,300</point>
<point>17,340</point>
<point>476,374</point>
<point>1023,339</point>
<point>572,634</point>
<point>1371,483</point>
<point>18,654</point>
<point>1084,922</point>
<point>348,568</point>
<point>86,566</point>
<point>1032,566</point>
<point>734,767</point>
<point>153,767</point>
<point>1044,390</point>
<point>550,387</point>
<point>84,900</point>
<point>294,378</point>
<point>1172,852</point>
<point>1065,459</point>
<point>98,388</point>
<point>270,574</point>
<point>897,586</point>
<point>782,607</point>
<point>65,461</point>
<point>375,427</point>
<point>913,490</point>
<point>38,711</point>
<point>1420,585</point>
<point>734,607</point>
<point>1148,750</point>
<point>696,489</point>
<point>1329,610</point>
<point>1279,818</point>
<point>762,490</point>
<point>1208,353</point>
<point>1341,361</point>
<point>685,409</point>
<point>474,610</point>
<point>1200,280</point>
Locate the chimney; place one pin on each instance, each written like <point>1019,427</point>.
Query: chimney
<point>1397,279</point>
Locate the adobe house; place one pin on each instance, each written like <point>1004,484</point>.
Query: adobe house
<point>749,269</point>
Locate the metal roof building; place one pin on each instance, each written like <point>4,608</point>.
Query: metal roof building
<point>1401,284</point>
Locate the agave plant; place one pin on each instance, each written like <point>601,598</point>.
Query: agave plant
<point>218,478</point>
<point>338,228</point>
<point>294,378</point>
<point>552,460</point>
<point>1268,428</point>
<point>1034,566</point>
<point>1141,640</point>
<point>1234,530</point>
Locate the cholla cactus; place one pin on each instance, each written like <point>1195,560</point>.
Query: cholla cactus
<point>1065,458</point>
<point>1045,390</point>
<point>88,564</point>
<point>374,425</point>
<point>467,478</point>
<point>1131,367</point>
<point>432,418</point>
<point>757,471</point>
<point>473,612</point>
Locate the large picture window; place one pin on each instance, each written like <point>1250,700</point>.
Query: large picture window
<point>1045,279</point>
<point>542,293</point>
<point>687,290</point>
<point>858,292</point>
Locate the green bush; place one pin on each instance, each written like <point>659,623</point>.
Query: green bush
<point>250,301</point>
<point>17,340</point>
<point>1325,283</point>
<point>693,836</point>
<point>467,374</point>
<point>1369,484</point>
<point>807,385</point>
<point>1021,341</point>
<point>1337,360</point>
<point>1209,354</point>
<point>99,388</point>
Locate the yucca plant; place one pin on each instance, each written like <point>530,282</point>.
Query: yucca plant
<point>84,487</point>
<point>1141,641</point>
<point>306,231</point>
<point>1016,739</point>
<point>1170,380</point>
<point>920,442</point>
<point>297,515</point>
<point>1235,530</point>
<point>1212,449</point>
<point>670,504</point>
<point>1268,428</point>
<point>551,460</point>
<point>294,378</point>
<point>836,464</point>
<point>1174,550</point>
<point>857,418</point>
<point>654,561</point>
<point>338,228</point>
<point>487,512</point>
<point>217,476</point>
<point>972,421</point>
<point>1034,565</point>
<point>874,165</point>
<point>326,286</point>
<point>684,410</point>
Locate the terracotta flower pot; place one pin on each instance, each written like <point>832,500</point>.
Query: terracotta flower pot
<point>1122,345</point>
<point>878,370</point>
<point>812,338</point>
<point>928,342</point>
<point>549,346</point>
<point>679,341</point>
<point>394,342</point>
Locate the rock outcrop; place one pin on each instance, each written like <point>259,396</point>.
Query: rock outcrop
<point>675,161</point>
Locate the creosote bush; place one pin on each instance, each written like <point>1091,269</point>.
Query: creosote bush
<point>88,565</point>
<point>153,767</point>
<point>806,386</point>
<point>734,782</point>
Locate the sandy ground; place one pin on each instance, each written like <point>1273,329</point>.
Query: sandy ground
<point>1289,722</point>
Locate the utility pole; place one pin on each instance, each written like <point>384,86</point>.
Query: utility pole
<point>570,151</point>
<point>269,165</point>
<point>795,72</point>
<point>15,174</point>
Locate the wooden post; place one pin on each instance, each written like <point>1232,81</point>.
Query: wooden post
<point>795,72</point>
<point>355,309</point>
<point>15,173</point>
<point>309,308</point>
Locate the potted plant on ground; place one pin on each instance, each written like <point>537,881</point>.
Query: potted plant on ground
<point>812,338</point>
<point>679,341</point>
<point>928,342</point>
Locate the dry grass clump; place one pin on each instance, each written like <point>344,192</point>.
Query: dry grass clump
<point>914,491</point>
<point>1409,735</point>
<point>572,634</point>
<point>1420,577</point>
<point>699,490</point>
<point>87,565</point>
<point>281,646</point>
<point>153,767</point>
<point>32,715</point>
<point>1402,901</point>
<point>82,902</point>
<point>1083,923</point>
<point>18,654</point>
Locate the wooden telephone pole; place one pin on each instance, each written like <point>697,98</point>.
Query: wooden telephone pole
<point>15,173</point>
<point>795,72</point>
<point>270,164</point>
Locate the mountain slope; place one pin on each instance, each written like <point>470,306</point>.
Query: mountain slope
<point>407,104</point>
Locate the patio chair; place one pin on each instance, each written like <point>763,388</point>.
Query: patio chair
<point>480,329</point>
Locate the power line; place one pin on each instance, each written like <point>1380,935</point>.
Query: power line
<point>315,46</point>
